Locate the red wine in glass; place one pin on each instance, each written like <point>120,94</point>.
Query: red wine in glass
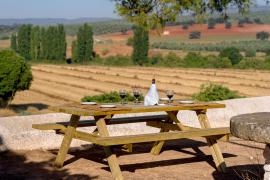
<point>170,94</point>
<point>136,93</point>
<point>122,94</point>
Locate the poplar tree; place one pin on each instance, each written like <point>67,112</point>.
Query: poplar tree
<point>88,35</point>
<point>43,43</point>
<point>35,43</point>
<point>80,45</point>
<point>84,50</point>
<point>13,42</point>
<point>140,46</point>
<point>53,43</point>
<point>24,37</point>
<point>62,45</point>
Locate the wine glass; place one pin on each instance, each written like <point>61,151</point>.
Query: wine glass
<point>136,93</point>
<point>122,94</point>
<point>170,94</point>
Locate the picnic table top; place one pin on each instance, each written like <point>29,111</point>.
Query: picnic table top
<point>96,110</point>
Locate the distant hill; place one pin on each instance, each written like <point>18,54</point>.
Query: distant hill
<point>52,21</point>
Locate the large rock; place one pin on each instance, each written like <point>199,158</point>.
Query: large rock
<point>254,127</point>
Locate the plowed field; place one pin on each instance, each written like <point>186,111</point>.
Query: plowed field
<point>58,84</point>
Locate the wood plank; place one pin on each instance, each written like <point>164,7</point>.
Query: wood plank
<point>49,126</point>
<point>72,109</point>
<point>159,144</point>
<point>212,143</point>
<point>121,120</point>
<point>170,126</point>
<point>118,140</point>
<point>82,136</point>
<point>86,123</point>
<point>173,117</point>
<point>111,157</point>
<point>66,141</point>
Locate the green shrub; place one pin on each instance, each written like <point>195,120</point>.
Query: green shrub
<point>193,59</point>
<point>250,53</point>
<point>185,26</point>
<point>218,62</point>
<point>258,21</point>
<point>228,25</point>
<point>267,52</point>
<point>241,23</point>
<point>171,60</point>
<point>124,30</point>
<point>262,35</point>
<point>155,59</point>
<point>117,61</point>
<point>111,97</point>
<point>195,35</point>
<point>130,41</point>
<point>214,92</point>
<point>211,24</point>
<point>252,64</point>
<point>105,51</point>
<point>233,54</point>
<point>15,75</point>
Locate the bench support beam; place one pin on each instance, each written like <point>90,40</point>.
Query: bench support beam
<point>66,141</point>
<point>111,157</point>
<point>212,143</point>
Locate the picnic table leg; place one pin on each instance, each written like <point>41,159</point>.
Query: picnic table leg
<point>111,157</point>
<point>212,143</point>
<point>66,141</point>
<point>159,144</point>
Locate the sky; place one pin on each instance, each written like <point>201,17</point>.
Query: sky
<point>56,8</point>
<point>59,8</point>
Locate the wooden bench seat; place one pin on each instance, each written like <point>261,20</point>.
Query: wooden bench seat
<point>86,123</point>
<point>216,133</point>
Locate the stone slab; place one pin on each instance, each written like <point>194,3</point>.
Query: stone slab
<point>253,126</point>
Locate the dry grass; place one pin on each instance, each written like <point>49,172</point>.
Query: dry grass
<point>4,44</point>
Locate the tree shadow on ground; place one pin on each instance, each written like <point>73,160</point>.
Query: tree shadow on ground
<point>16,166</point>
<point>248,171</point>
<point>23,107</point>
<point>96,153</point>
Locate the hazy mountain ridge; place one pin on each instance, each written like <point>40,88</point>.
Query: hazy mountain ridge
<point>66,21</point>
<point>52,21</point>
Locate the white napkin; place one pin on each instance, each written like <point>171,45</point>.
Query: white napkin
<point>151,98</point>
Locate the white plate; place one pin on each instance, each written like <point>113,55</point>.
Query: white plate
<point>186,102</point>
<point>164,99</point>
<point>107,106</point>
<point>161,104</point>
<point>88,103</point>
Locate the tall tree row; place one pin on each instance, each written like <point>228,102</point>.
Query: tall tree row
<point>35,43</point>
<point>140,46</point>
<point>82,49</point>
<point>13,42</point>
<point>41,43</point>
<point>24,41</point>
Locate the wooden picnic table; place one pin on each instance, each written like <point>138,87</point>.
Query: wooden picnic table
<point>170,127</point>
